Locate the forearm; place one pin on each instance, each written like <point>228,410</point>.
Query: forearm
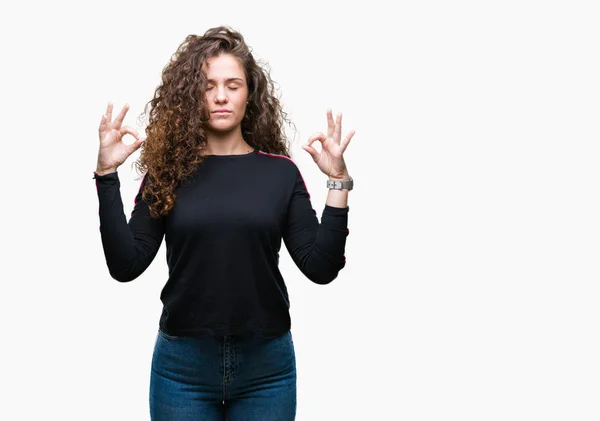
<point>117,240</point>
<point>128,247</point>
<point>318,248</point>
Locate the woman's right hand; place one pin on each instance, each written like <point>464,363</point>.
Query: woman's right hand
<point>113,152</point>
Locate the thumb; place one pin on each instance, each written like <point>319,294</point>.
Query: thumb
<point>312,151</point>
<point>135,145</point>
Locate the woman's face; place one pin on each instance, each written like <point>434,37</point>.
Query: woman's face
<point>226,93</point>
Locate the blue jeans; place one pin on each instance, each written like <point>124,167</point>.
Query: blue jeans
<point>232,378</point>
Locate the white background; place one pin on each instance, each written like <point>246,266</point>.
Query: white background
<point>471,287</point>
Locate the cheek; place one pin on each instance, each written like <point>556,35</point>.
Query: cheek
<point>243,97</point>
<point>241,101</point>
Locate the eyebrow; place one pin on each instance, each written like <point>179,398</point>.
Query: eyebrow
<point>231,79</point>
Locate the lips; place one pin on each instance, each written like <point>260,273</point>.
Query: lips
<point>222,111</point>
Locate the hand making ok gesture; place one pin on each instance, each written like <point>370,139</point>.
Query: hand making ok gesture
<point>113,152</point>
<point>330,159</point>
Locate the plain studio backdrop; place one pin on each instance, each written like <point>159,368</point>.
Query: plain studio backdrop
<point>471,287</point>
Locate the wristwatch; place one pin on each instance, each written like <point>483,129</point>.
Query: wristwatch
<point>339,185</point>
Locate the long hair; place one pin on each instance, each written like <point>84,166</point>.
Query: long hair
<point>175,136</point>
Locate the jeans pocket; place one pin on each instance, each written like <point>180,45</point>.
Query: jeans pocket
<point>167,336</point>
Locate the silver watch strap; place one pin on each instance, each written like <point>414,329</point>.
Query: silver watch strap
<point>339,185</point>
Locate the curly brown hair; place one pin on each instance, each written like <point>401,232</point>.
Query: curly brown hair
<point>175,136</point>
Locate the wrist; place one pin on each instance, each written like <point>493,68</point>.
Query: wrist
<point>105,171</point>
<point>345,176</point>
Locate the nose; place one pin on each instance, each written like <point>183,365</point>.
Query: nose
<point>220,95</point>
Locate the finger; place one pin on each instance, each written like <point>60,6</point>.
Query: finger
<point>130,130</point>
<point>102,123</point>
<point>346,142</point>
<point>135,146</point>
<point>109,112</point>
<point>316,136</point>
<point>312,151</point>
<point>337,132</point>
<point>330,123</point>
<point>120,117</point>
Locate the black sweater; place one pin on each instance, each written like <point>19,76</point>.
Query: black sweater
<point>223,238</point>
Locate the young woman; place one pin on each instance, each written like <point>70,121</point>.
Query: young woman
<point>221,190</point>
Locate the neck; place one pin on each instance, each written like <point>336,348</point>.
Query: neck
<point>226,144</point>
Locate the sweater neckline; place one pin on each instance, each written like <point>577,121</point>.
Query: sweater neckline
<point>232,156</point>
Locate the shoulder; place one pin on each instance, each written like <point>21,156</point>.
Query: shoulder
<point>280,163</point>
<point>283,169</point>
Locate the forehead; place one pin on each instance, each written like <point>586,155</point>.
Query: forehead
<point>224,66</point>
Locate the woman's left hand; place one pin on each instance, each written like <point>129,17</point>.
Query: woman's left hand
<point>331,158</point>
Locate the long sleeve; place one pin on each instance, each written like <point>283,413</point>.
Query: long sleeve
<point>316,248</point>
<point>129,247</point>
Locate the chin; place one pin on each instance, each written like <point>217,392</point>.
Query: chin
<point>221,128</point>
